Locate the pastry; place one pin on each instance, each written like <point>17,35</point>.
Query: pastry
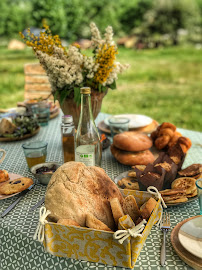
<point>94,223</point>
<point>168,125</point>
<point>147,208</point>
<point>132,173</point>
<point>192,170</point>
<point>185,143</point>
<point>76,190</point>
<point>162,141</point>
<point>193,194</point>
<point>177,155</point>
<point>166,136</point>
<point>174,139</point>
<point>117,210</point>
<point>179,200</point>
<point>174,195</point>
<point>132,158</point>
<point>68,222</point>
<point>151,177</point>
<point>14,186</point>
<point>128,183</point>
<point>140,167</point>
<point>131,208</point>
<point>4,176</point>
<point>186,183</point>
<point>132,141</point>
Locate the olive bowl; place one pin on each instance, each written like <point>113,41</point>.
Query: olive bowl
<point>44,178</point>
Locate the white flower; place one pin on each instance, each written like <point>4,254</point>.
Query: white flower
<point>109,35</point>
<point>96,37</point>
<point>73,68</point>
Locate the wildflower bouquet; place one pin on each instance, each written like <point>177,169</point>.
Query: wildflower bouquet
<point>69,70</point>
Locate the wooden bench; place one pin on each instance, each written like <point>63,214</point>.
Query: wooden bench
<point>36,82</point>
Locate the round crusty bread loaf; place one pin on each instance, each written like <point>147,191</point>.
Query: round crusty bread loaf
<point>76,190</point>
<point>132,158</point>
<point>132,141</point>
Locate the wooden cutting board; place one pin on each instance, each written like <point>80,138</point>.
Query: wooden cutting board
<point>187,257</point>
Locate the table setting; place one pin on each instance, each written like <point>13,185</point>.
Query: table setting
<point>89,190</point>
<point>19,225</point>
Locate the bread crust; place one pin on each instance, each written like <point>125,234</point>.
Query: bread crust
<point>132,158</point>
<point>76,190</point>
<point>132,141</point>
<point>117,210</point>
<point>94,223</point>
<point>68,222</point>
<point>147,208</point>
<point>131,208</point>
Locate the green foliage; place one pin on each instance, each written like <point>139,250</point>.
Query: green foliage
<point>132,13</point>
<point>70,18</point>
<point>14,17</point>
<point>168,17</point>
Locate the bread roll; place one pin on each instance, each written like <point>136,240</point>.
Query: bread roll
<point>132,141</point>
<point>132,158</point>
<point>76,190</point>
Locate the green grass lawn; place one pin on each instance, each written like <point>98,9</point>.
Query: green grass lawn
<point>165,84</point>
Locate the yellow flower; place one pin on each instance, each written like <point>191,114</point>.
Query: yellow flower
<point>45,42</point>
<point>105,58</point>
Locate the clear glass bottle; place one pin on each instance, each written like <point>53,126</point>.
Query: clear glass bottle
<point>88,147</point>
<point>68,138</point>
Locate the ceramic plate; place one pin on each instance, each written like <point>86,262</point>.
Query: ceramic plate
<point>12,176</point>
<point>125,174</point>
<point>186,256</point>
<point>190,236</point>
<point>136,120</point>
<point>7,139</point>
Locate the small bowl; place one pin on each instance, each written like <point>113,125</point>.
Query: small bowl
<point>44,178</point>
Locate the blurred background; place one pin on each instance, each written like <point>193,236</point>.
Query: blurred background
<point>160,39</point>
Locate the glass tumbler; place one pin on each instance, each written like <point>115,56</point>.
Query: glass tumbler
<point>118,125</point>
<point>42,111</point>
<point>35,152</point>
<point>199,193</point>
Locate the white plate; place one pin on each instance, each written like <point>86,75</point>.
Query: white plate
<point>136,120</point>
<point>190,236</point>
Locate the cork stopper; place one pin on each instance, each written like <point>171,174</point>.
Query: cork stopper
<point>85,90</point>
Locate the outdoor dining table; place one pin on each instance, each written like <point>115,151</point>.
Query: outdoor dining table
<point>19,251</point>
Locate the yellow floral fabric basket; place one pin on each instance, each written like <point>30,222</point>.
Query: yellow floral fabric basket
<point>96,245</point>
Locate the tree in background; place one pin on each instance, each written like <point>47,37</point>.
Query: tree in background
<point>168,17</point>
<point>150,20</point>
<point>14,16</point>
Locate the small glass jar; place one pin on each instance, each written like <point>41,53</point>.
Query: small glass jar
<point>68,138</point>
